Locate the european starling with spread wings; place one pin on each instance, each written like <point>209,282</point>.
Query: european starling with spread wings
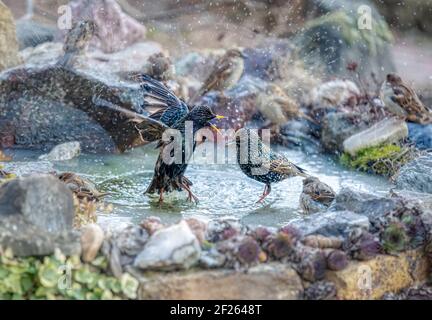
<point>172,114</point>
<point>260,163</point>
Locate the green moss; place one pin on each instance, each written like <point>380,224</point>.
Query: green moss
<point>383,160</point>
<point>377,37</point>
<point>60,277</point>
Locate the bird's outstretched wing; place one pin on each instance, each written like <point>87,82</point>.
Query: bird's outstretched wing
<point>149,129</point>
<point>157,95</point>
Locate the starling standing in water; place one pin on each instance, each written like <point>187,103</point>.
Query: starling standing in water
<point>226,72</point>
<point>401,100</point>
<point>260,163</point>
<point>172,114</point>
<point>316,195</point>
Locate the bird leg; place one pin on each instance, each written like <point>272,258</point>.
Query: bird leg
<point>191,196</point>
<point>266,192</point>
<point>161,197</point>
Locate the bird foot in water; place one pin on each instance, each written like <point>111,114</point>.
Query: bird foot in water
<point>266,192</point>
<point>191,196</point>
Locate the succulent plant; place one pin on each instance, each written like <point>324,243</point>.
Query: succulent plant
<point>394,238</point>
<point>362,245</point>
<point>281,245</point>
<point>248,252</point>
<point>312,266</point>
<point>60,277</point>
<point>336,259</point>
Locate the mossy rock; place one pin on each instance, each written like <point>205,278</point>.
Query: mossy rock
<point>333,39</point>
<point>385,160</point>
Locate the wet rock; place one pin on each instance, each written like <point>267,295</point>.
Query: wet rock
<point>175,247</point>
<point>301,133</point>
<point>131,240</point>
<point>423,200</point>
<point>63,152</point>
<point>92,237</point>
<point>36,216</point>
<point>38,105</point>
<point>27,168</point>
<point>32,33</point>
<point>416,175</point>
<point>212,259</point>
<point>330,223</point>
<point>367,204</point>
<point>237,104</point>
<point>332,39</point>
<point>43,54</point>
<point>264,61</point>
<point>274,280</point>
<point>421,135</point>
<point>131,60</point>
<point>339,126</point>
<point>8,43</point>
<point>115,29</point>
<point>384,132</point>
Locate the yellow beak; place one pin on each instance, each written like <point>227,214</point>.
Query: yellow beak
<point>215,129</point>
<point>219,117</point>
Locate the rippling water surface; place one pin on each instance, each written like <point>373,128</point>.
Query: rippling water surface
<point>223,190</point>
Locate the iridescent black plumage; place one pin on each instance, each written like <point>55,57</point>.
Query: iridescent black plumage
<point>169,176</point>
<point>174,114</point>
<point>157,95</point>
<point>260,163</point>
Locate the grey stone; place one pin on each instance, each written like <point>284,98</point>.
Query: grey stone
<point>265,281</point>
<point>31,33</point>
<point>416,175</point>
<point>63,152</point>
<point>338,126</point>
<point>386,131</point>
<point>330,223</point>
<point>421,135</point>
<point>36,217</point>
<point>362,203</point>
<point>332,39</point>
<point>175,247</point>
<point>26,168</point>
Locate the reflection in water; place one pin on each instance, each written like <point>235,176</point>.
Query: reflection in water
<point>223,190</point>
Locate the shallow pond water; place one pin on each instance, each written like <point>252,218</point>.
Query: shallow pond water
<point>223,190</point>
